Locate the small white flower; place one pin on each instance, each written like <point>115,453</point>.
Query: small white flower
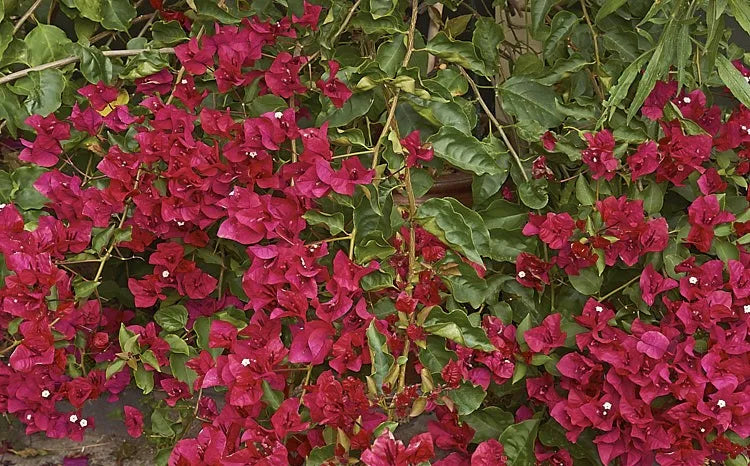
<point>703,429</point>
<point>744,128</point>
<point>28,417</point>
<point>83,423</point>
<point>73,418</point>
<point>278,115</point>
<point>747,79</point>
<point>179,224</point>
<point>2,206</point>
<point>593,159</point>
<point>232,193</point>
<point>747,308</point>
<point>245,362</point>
<point>184,81</point>
<point>302,261</point>
<point>252,154</point>
<point>165,274</point>
<point>687,100</point>
<point>721,404</point>
<point>521,274</point>
<point>45,393</point>
<point>693,280</point>
<point>598,309</point>
<point>607,405</point>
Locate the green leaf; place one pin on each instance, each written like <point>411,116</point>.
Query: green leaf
<point>653,197</point>
<point>584,193</point>
<point>488,423</point>
<point>144,379</point>
<point>609,7</point>
<point>391,54</point>
<point>319,455</point>
<point>84,288</point>
<point>271,397</point>
<point>467,397</point>
<point>160,425</point>
<point>725,250</point>
<point>115,367</point>
<point>434,355</point>
<point>46,43</point>
<point>657,66</point>
<point>172,318</point>
<point>91,9</point>
<point>176,344</point>
<point>177,364</point>
<point>27,197</point>
<point>457,226</point>
<point>486,39</point>
<point>334,222</point>
<point>620,90</point>
<point>504,215</point>
<point>148,357</point>
<point>530,101</point>
<point>358,105</point>
<point>456,51</point>
<point>95,66</point>
<point>382,360</point>
<point>45,94</point>
<point>539,9</point>
<point>382,8</point>
<point>734,80</point>
<point>456,326</point>
<point>467,286</point>
<point>587,282</point>
<point>518,441</point>
<point>168,32</point>
<point>561,28</point>
<point>741,12</point>
<point>533,193</point>
<point>465,152</point>
<point>117,14</point>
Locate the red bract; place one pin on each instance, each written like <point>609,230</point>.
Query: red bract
<point>704,214</point>
<point>133,421</point>
<point>547,336</point>
<point>599,155</point>
<point>282,77</point>
<point>333,88</point>
<point>416,151</point>
<point>387,451</point>
<point>532,271</point>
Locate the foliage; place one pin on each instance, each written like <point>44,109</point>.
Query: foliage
<point>236,199</point>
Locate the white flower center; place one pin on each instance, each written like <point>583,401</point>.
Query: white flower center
<point>607,405</point>
<point>703,429</point>
<point>687,100</point>
<point>184,81</point>
<point>521,274</point>
<point>598,309</point>
<point>2,206</point>
<point>179,224</point>
<point>45,393</point>
<point>747,308</point>
<point>721,403</point>
<point>165,274</point>
<point>252,154</point>
<point>593,159</point>
<point>278,115</point>
<point>83,423</point>
<point>28,417</point>
<point>693,280</point>
<point>245,362</point>
<point>73,418</point>
<point>744,128</point>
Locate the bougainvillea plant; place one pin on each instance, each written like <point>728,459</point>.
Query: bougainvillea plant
<point>238,209</point>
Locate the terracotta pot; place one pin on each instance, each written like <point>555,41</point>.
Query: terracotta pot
<point>456,185</point>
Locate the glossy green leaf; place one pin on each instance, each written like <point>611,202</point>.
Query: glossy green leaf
<point>587,282</point>
<point>434,355</point>
<point>27,197</point>
<point>560,30</point>
<point>144,379</point>
<point>271,397</point>
<point>466,285</point>
<point>467,397</point>
<point>486,39</point>
<point>456,326</point>
<point>391,54</point>
<point>334,222</point>
<point>465,152</point>
<point>539,10</point>
<point>382,8</point>
<point>530,101</point>
<point>457,226</point>
<point>503,215</point>
<point>382,360</point>
<point>168,32</point>
<point>741,12</point>
<point>734,80</point>
<point>488,423</point>
<point>172,318</point>
<point>46,43</point>
<point>518,441</point>
<point>94,65</point>
<point>533,193</point>
<point>117,14</point>
<point>609,7</point>
<point>459,52</point>
<point>83,289</point>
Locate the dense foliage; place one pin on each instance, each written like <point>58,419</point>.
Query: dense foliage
<point>232,207</point>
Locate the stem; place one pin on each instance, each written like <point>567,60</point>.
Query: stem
<point>594,35</point>
<point>386,127</point>
<point>181,72</point>
<point>351,243</point>
<point>26,15</point>
<point>496,123</point>
<point>619,288</point>
<point>66,61</point>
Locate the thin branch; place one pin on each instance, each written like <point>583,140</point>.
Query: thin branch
<point>497,124</point>
<point>26,15</point>
<point>69,60</point>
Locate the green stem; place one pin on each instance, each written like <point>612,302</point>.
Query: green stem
<point>619,288</point>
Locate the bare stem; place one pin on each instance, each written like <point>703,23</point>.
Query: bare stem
<point>26,15</point>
